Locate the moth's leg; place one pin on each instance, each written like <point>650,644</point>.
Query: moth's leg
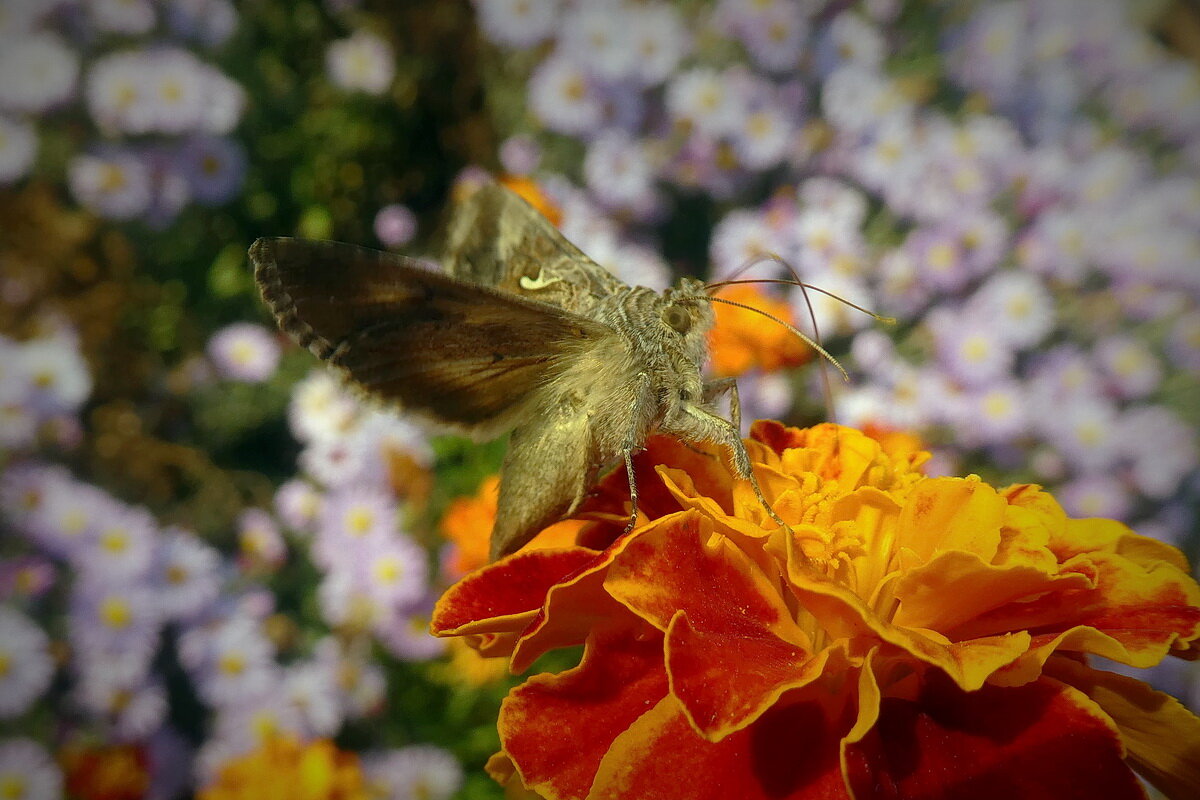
<point>729,434</point>
<point>630,444</point>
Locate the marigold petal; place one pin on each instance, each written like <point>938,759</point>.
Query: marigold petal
<point>943,514</point>
<point>976,586</point>
<point>725,680</point>
<point>790,753</point>
<point>1042,741</point>
<point>504,597</point>
<point>1162,737</point>
<point>557,728</point>
<point>686,566</point>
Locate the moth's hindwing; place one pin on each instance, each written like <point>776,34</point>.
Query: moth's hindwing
<point>462,354</point>
<point>497,239</point>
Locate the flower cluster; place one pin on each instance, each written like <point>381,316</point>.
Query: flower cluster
<point>902,636</point>
<point>1022,191</point>
<point>158,113</point>
<point>138,596</point>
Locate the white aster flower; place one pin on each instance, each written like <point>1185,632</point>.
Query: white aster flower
<point>244,352</point>
<point>597,35</point>
<point>115,185</point>
<point>132,17</point>
<point>658,39</point>
<point>321,408</point>
<point>764,138</point>
<point>517,23</point>
<point>418,771</point>
<point>362,63</point>
<point>118,93</point>
<point>617,170</point>
<point>706,100</point>
<point>563,97</point>
<point>1019,303</point>
<point>186,572</point>
<point>37,72</point>
<point>1132,369</point>
<point>26,665</point>
<point>18,149</point>
<point>27,772</point>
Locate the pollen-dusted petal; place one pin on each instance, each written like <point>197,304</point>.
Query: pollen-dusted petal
<point>1161,736</point>
<point>557,728</point>
<point>725,679</point>
<point>976,586</point>
<point>1042,741</point>
<point>789,753</point>
<point>943,514</point>
<point>505,596</point>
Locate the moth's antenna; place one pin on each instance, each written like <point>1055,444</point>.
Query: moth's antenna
<point>808,286</point>
<point>791,328</point>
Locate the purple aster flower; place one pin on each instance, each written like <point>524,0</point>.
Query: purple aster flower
<point>38,72</point>
<point>856,99</point>
<point>130,17</point>
<point>707,101</point>
<point>225,101</point>
<point>18,149</point>
<point>59,378</point>
<point>244,351</point>
<point>969,347</point>
<point>337,463</point>
<point>517,23</point>
<point>395,225</point>
<point>65,521</point>
<point>259,540</point>
<point>617,170</point>
<point>1161,446</point>
<point>362,63</point>
<point>939,257</point>
<point>596,35</point>
<point>27,767</point>
<point>408,638</point>
<point>1062,373</point>
<point>320,408</point>
<point>740,238</point>
<point>215,167</point>
<point>773,32</point>
<point>298,503</point>
<point>424,771</point>
<point>133,709</point>
<point>361,680</point>
<point>850,38</point>
<point>114,629</point>
<point>520,154</point>
<point>564,98</point>
<point>1132,370</point>
<point>186,574</point>
<point>658,39</point>
<point>25,577</point>
<point>119,94</point>
<point>229,660</point>
<point>115,184</point>
<point>1095,496</point>
<point>1183,341</point>
<point>312,688</point>
<point>346,603</point>
<point>1085,431</point>
<point>210,22</point>
<point>121,544</point>
<point>352,517</point>
<point>26,665</point>
<point>1019,303</point>
<point>993,415</point>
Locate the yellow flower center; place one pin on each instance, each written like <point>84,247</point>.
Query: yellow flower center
<point>232,663</point>
<point>172,92</point>
<point>5,665</point>
<point>997,405</point>
<point>176,574</point>
<point>115,612</point>
<point>941,256</point>
<point>359,521</point>
<point>112,178</point>
<point>115,541</point>
<point>388,570</point>
<point>12,787</point>
<point>575,89</point>
<point>74,522</point>
<point>975,349</point>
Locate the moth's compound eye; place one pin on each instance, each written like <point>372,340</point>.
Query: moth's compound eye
<point>677,319</point>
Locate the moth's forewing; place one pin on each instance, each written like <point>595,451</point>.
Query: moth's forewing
<point>465,355</point>
<point>497,239</point>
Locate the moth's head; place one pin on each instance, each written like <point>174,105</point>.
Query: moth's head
<point>687,313</point>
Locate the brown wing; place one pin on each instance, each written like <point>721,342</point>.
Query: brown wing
<point>462,354</point>
<point>497,239</point>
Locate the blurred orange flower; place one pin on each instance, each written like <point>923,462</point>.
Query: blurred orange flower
<point>467,525</point>
<point>742,340</point>
<point>284,769</point>
<point>903,637</point>
<point>105,772</point>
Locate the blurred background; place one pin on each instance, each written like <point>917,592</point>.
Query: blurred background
<point>217,566</point>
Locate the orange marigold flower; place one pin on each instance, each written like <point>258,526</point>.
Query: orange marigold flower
<point>105,772</point>
<point>467,524</point>
<point>284,769</point>
<point>742,340</point>
<point>902,637</point>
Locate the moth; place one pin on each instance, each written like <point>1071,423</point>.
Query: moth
<point>521,332</point>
